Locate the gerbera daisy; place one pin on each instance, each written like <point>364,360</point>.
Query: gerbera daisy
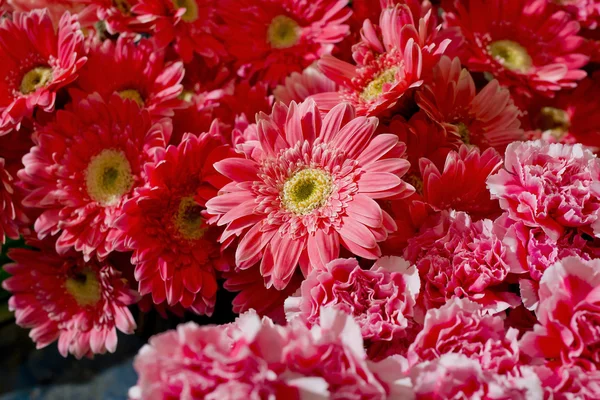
<point>10,209</point>
<point>309,187</point>
<point>82,304</point>
<point>570,117</point>
<point>175,253</point>
<point>390,60</point>
<point>485,119</point>
<point>190,25</point>
<point>525,44</point>
<point>299,86</point>
<point>117,15</point>
<point>586,12</point>
<point>37,60</point>
<point>272,38</point>
<point>84,166</point>
<point>136,71</point>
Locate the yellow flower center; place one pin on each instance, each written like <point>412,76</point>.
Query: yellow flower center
<point>375,87</point>
<point>191,9</point>
<point>307,190</point>
<point>464,133</point>
<point>186,95</point>
<point>108,177</point>
<point>511,54</point>
<point>555,120</point>
<point>36,78</point>
<point>84,287</point>
<point>283,32</point>
<point>188,220</point>
<point>134,95</point>
<point>123,6</point>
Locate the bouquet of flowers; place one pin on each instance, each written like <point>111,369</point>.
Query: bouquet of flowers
<point>404,194</point>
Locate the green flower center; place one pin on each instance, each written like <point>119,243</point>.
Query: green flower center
<point>375,87</point>
<point>464,133</point>
<point>415,181</point>
<point>555,120</point>
<point>123,6</point>
<point>191,9</point>
<point>188,220</point>
<point>132,94</point>
<point>36,78</point>
<point>283,32</point>
<point>84,287</point>
<point>108,177</point>
<point>511,54</point>
<point>306,190</point>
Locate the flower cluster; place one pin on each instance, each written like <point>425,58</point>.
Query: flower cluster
<point>403,194</point>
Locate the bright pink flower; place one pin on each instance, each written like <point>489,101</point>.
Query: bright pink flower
<point>136,71</point>
<point>390,60</point>
<point>551,186</point>
<point>241,360</point>
<point>84,166</point>
<point>310,187</point>
<point>458,257</point>
<point>11,213</point>
<point>117,15</point>
<point>454,376</point>
<point>461,326</point>
<point>568,314</point>
<point>81,304</point>
<point>586,12</point>
<point>525,44</point>
<point>381,299</point>
<point>570,117</point>
<point>270,39</point>
<point>37,60</point>
<point>485,119</point>
<point>299,86</point>
<point>461,185</point>
<point>569,383</point>
<point>56,9</point>
<point>190,25</point>
<point>176,255</point>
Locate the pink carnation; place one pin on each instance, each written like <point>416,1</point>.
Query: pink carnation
<point>551,186</point>
<point>568,314</point>
<point>381,299</point>
<point>461,326</point>
<point>458,257</point>
<point>454,376</point>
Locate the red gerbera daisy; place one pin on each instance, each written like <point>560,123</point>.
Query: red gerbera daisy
<point>485,119</point>
<point>84,166</point>
<point>176,254</point>
<point>309,186</point>
<point>81,304</point>
<point>37,60</point>
<point>272,38</point>
<point>189,25</point>
<point>116,14</point>
<point>136,71</point>
<point>525,44</point>
<point>389,62</point>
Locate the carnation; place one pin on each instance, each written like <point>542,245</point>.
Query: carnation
<point>381,299</point>
<point>550,186</point>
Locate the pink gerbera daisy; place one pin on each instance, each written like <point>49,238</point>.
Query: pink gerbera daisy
<point>116,14</point>
<point>82,304</point>
<point>308,187</point>
<point>299,86</point>
<point>136,71</point>
<point>175,253</point>
<point>272,38</point>
<point>390,60</point>
<point>37,60</point>
<point>586,12</point>
<point>525,44</point>
<point>485,119</point>
<point>84,166</point>
<point>10,209</point>
<point>189,25</point>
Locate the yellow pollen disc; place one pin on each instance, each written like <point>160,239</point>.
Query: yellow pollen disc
<point>283,32</point>
<point>188,221</point>
<point>415,181</point>
<point>36,78</point>
<point>555,120</point>
<point>84,287</point>
<point>108,177</point>
<point>307,190</point>
<point>134,95</point>
<point>186,95</point>
<point>375,87</point>
<point>191,9</point>
<point>464,133</point>
<point>511,54</point>
<point>123,6</point>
